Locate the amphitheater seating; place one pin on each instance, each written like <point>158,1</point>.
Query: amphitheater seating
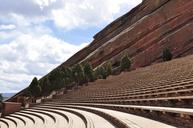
<point>167,84</point>
<point>168,81</point>
<point>162,92</point>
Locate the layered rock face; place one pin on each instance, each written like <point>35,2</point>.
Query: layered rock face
<point>143,33</point>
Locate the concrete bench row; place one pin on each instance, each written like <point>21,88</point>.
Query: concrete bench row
<point>164,91</point>
<point>181,117</point>
<point>54,117</point>
<point>124,118</point>
<point>129,91</point>
<point>133,90</point>
<point>36,118</point>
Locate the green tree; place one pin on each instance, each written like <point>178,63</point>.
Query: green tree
<point>167,55</point>
<point>78,74</point>
<point>54,77</point>
<point>108,68</point>
<point>68,77</point>
<point>1,97</point>
<point>59,81</point>
<point>101,73</point>
<point>34,88</point>
<point>97,73</point>
<point>88,72</point>
<point>46,86</point>
<point>125,63</point>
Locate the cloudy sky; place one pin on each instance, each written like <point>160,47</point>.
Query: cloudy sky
<point>38,35</point>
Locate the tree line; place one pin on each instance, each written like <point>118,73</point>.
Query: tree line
<point>77,75</point>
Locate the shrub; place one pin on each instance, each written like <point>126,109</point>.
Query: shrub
<point>78,74</point>
<point>88,72</point>
<point>68,78</point>
<point>167,55</point>
<point>101,73</point>
<point>55,76</point>
<point>108,68</point>
<point>60,81</point>
<point>34,88</point>
<point>46,86</point>
<point>57,79</point>
<point>125,63</point>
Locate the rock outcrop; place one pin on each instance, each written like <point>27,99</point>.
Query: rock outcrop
<point>143,33</point>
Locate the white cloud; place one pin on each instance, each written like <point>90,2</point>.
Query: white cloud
<point>28,56</point>
<point>7,27</point>
<point>28,47</point>
<point>81,13</point>
<point>67,14</point>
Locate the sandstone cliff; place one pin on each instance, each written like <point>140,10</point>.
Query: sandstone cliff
<point>143,33</point>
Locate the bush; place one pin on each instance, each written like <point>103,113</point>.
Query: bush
<point>59,78</point>
<point>34,88</point>
<point>55,78</point>
<point>167,55</point>
<point>46,86</point>
<point>108,68</point>
<point>88,72</point>
<point>68,77</point>
<point>78,74</point>
<point>125,63</point>
<point>101,73</point>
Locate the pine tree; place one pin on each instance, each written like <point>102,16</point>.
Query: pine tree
<point>68,77</point>
<point>54,79</point>
<point>108,68</point>
<point>34,88</point>
<point>125,63</point>
<point>88,72</point>
<point>101,73</point>
<point>78,74</point>
<point>46,86</point>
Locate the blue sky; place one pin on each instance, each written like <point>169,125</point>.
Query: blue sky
<point>38,35</point>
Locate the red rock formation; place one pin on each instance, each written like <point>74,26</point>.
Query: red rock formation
<point>168,26</point>
<point>116,27</point>
<point>143,33</point>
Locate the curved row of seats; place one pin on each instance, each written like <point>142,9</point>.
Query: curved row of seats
<point>69,116</point>
<point>162,91</point>
<point>162,85</point>
<point>166,81</point>
<point>53,117</point>
<point>42,118</point>
<point>129,120</point>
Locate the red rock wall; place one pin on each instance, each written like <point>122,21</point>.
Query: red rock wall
<point>143,33</point>
<point>10,107</point>
<point>169,26</point>
<point>122,23</point>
